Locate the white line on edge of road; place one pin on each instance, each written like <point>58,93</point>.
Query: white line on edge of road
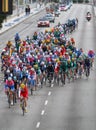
<point>38,125</point>
<point>46,102</point>
<point>49,93</point>
<point>42,113</point>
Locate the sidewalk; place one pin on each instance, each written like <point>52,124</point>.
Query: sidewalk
<point>14,20</point>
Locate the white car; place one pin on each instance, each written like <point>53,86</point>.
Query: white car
<point>43,22</point>
<point>62,8</point>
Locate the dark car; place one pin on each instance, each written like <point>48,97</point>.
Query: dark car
<point>57,13</point>
<point>50,17</point>
<point>43,22</point>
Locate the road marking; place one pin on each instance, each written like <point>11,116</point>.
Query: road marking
<point>46,102</point>
<point>52,85</point>
<point>49,93</point>
<point>38,125</point>
<point>42,113</point>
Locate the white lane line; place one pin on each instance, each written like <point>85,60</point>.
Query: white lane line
<point>52,85</point>
<point>38,125</point>
<point>49,93</point>
<point>46,102</point>
<point>42,113</point>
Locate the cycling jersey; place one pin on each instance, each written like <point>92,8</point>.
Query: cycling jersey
<point>24,92</point>
<point>10,85</point>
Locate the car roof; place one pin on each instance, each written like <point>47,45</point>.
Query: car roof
<point>43,19</point>
<point>49,14</point>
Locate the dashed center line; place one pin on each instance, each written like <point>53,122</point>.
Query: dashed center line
<point>42,113</point>
<point>46,102</point>
<point>49,93</point>
<point>38,125</point>
<point>52,85</point>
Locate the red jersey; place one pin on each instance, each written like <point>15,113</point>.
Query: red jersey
<point>24,92</point>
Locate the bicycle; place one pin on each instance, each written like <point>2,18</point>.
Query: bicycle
<point>50,78</point>
<point>63,77</point>
<point>11,96</point>
<point>23,106</point>
<point>87,71</point>
<point>69,75</point>
<point>57,77</point>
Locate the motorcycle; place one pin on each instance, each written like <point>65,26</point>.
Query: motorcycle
<point>88,17</point>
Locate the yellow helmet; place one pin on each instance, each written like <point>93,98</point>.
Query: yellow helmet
<point>73,59</point>
<point>69,60</point>
<point>36,66</point>
<point>22,85</point>
<point>46,31</point>
<point>9,43</point>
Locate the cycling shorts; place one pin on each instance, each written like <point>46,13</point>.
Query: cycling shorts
<point>12,88</point>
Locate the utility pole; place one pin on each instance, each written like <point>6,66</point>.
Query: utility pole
<point>17,7</point>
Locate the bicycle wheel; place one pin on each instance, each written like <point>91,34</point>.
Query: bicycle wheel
<point>31,91</point>
<point>50,81</point>
<point>58,78</point>
<point>63,78</point>
<point>14,98</point>
<point>9,100</point>
<point>23,107</point>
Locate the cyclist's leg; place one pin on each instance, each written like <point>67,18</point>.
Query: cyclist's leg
<point>12,91</point>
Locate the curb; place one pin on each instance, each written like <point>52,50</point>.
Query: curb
<point>26,17</point>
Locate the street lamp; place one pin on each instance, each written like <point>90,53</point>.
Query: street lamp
<point>17,7</point>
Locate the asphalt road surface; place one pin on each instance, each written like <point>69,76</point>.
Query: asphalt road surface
<point>72,107</point>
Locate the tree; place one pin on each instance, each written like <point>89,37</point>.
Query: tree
<point>86,1</point>
<point>2,17</point>
<point>56,1</point>
<point>80,1</point>
<point>75,1</point>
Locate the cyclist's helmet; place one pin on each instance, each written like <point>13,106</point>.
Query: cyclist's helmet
<point>22,86</point>
<point>9,78</point>
<point>69,60</point>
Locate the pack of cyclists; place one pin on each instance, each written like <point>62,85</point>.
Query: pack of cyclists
<point>32,61</point>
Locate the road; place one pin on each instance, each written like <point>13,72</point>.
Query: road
<point>72,107</point>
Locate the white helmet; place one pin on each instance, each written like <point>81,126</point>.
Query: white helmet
<point>9,78</point>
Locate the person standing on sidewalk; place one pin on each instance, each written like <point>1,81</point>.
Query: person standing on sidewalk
<point>27,10</point>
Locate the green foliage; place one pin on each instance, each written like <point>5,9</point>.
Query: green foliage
<point>75,1</point>
<point>56,1</point>
<point>86,1</point>
<point>2,17</point>
<point>80,1</point>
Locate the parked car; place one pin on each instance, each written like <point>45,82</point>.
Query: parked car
<point>63,7</point>
<point>50,17</point>
<point>57,13</point>
<point>43,22</point>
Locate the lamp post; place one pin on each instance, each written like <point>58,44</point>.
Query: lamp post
<point>17,7</point>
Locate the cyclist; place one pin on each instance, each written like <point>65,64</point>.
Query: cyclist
<point>50,70</point>
<point>24,95</point>
<point>9,88</point>
<point>32,79</point>
<point>17,41</point>
<point>63,65</point>
<point>87,64</point>
<point>63,69</point>
<point>69,68</point>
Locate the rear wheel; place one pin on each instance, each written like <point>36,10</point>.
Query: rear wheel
<point>9,100</point>
<point>23,107</point>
